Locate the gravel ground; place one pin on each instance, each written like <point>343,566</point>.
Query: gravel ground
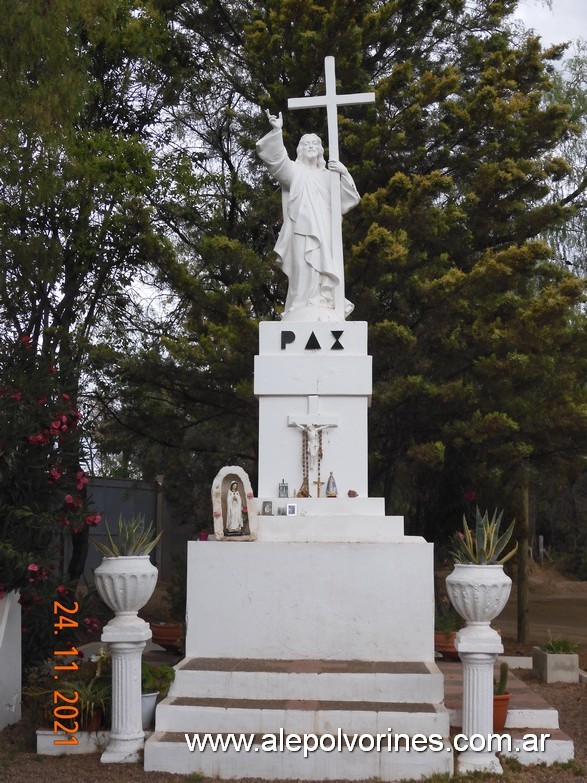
<point>20,765</point>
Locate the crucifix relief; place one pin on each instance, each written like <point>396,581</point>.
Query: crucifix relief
<point>314,196</point>
<point>312,425</point>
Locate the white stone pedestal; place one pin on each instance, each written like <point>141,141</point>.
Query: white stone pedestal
<point>308,637</point>
<point>316,373</point>
<point>126,644</point>
<point>478,655</point>
<point>334,600</point>
<point>321,626</point>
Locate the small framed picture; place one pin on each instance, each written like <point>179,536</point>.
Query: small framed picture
<point>280,511</point>
<point>283,489</point>
<point>267,508</point>
<point>292,509</point>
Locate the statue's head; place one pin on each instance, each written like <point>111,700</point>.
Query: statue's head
<point>311,151</point>
<point>234,486</point>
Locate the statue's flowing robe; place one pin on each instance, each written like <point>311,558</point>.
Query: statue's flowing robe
<point>306,234</point>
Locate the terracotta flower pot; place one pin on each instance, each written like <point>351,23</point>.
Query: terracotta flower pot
<point>500,712</point>
<point>444,643</point>
<point>94,721</point>
<point>167,635</point>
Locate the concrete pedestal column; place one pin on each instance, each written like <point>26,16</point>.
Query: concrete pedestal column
<point>478,655</point>
<point>478,592</point>
<point>126,645</point>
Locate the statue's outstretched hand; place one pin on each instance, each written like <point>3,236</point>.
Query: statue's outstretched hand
<point>336,165</point>
<point>276,121</point>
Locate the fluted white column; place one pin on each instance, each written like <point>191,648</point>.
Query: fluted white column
<point>126,644</point>
<point>478,655</point>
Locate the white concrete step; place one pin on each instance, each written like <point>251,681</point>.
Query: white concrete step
<point>215,715</point>
<point>170,752</point>
<point>319,507</point>
<point>322,680</point>
<point>556,748</point>
<point>352,528</point>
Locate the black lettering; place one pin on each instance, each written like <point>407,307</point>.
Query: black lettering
<point>337,345</point>
<point>313,344</point>
<point>286,339</point>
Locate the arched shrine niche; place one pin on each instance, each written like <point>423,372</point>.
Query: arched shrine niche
<point>233,505</point>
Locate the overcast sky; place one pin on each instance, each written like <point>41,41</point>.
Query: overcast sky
<point>567,20</point>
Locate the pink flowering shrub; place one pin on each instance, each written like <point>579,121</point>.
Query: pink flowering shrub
<point>42,485</point>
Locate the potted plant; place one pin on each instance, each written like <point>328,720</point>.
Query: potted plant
<point>556,661</point>
<point>93,701</point>
<point>446,624</point>
<point>155,684</point>
<point>478,587</point>
<point>93,689</point>
<point>126,578</point>
<point>501,699</point>
<point>168,629</point>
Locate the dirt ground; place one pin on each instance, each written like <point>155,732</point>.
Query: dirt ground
<point>557,608</point>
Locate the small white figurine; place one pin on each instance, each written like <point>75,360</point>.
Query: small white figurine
<point>234,510</point>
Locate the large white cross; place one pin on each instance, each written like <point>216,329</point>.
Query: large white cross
<point>331,101</point>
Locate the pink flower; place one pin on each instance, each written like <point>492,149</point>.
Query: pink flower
<point>33,567</point>
<point>250,495</point>
<point>55,474</point>
<point>217,514</point>
<point>62,589</point>
<point>16,395</point>
<point>65,396</point>
<point>68,499</point>
<point>37,440</point>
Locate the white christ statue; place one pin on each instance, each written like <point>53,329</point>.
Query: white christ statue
<point>304,246</point>
<point>315,197</point>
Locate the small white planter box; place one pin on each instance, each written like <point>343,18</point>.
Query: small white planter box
<point>555,667</point>
<point>88,742</point>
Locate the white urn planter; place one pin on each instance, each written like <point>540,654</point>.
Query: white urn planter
<point>125,584</point>
<point>479,593</point>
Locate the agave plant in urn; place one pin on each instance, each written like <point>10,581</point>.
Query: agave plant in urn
<point>126,578</point>
<point>478,587</point>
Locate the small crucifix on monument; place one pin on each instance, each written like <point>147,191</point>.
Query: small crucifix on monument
<point>314,196</point>
<point>312,425</point>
